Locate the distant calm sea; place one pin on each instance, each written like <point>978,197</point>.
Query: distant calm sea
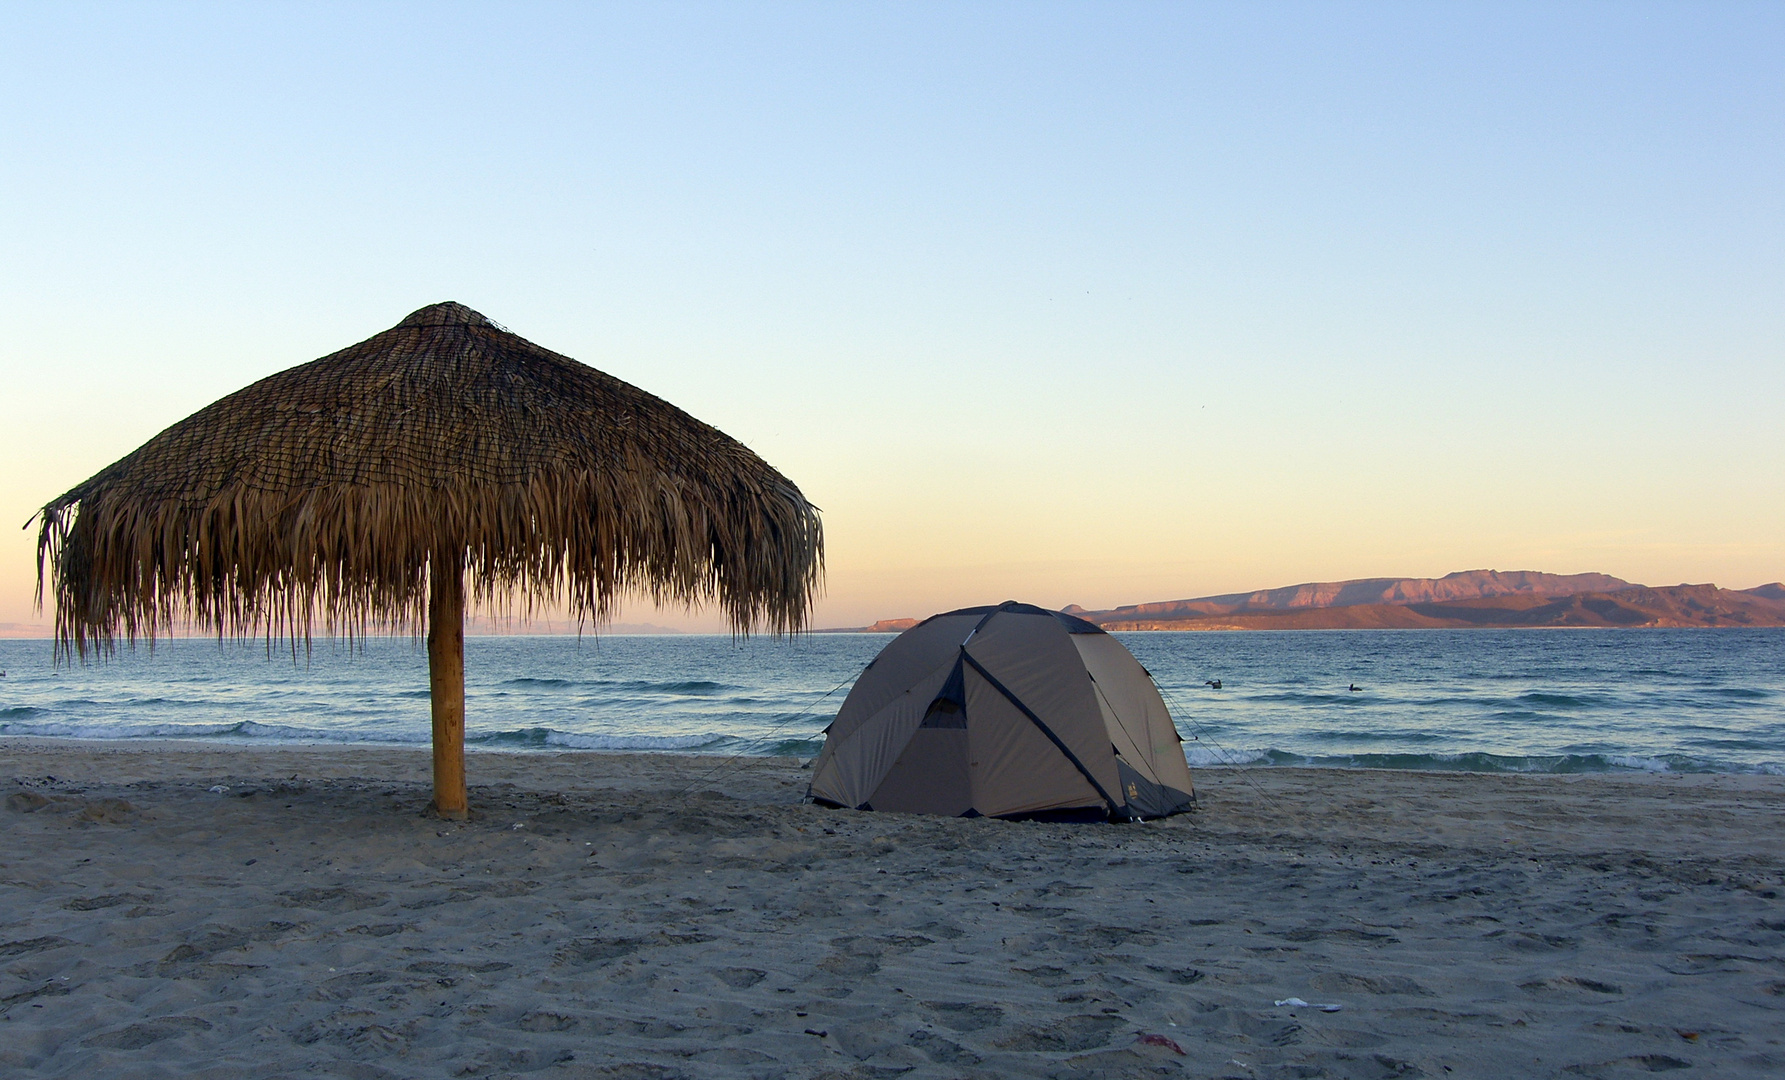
<point>1482,700</point>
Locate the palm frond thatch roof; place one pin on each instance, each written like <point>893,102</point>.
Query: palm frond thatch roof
<point>327,491</point>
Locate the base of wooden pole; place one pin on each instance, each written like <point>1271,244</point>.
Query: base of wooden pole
<point>446,685</point>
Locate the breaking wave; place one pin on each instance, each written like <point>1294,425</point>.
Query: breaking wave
<point>1205,757</point>
<point>548,739</point>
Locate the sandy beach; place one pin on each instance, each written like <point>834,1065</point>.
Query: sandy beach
<point>172,909</point>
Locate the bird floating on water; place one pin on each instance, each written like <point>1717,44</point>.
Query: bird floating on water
<point>1215,683</point>
<point>1354,688</point>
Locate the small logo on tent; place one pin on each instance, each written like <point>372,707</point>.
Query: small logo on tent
<point>1133,792</point>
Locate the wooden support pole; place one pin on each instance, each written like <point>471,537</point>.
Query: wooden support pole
<point>446,684</point>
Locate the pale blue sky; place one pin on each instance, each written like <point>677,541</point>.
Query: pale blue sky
<point>1075,303</point>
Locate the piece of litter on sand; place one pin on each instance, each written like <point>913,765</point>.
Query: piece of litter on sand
<point>220,789</point>
<point>1298,1003</point>
<point>1148,1039</point>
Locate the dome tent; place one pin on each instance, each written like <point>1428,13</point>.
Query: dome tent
<point>1012,711</point>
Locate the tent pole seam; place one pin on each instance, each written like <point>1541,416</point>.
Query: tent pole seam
<point>1123,724</point>
<point>1045,730</point>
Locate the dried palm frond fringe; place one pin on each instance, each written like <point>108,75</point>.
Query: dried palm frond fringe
<point>323,495</point>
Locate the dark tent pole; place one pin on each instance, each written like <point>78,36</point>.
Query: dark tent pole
<point>446,684</point>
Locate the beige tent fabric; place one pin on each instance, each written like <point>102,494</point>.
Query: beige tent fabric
<point>1140,713</point>
<point>1035,660</point>
<point>919,651</point>
<point>933,775</point>
<point>1127,749</point>
<point>851,767</point>
<point>1018,770</point>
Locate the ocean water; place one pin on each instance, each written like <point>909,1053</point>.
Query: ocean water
<point>1479,700</point>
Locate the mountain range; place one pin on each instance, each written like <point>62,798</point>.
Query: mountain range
<point>1468,598</point>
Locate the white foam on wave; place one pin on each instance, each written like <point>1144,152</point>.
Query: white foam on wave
<point>75,729</point>
<point>1645,764</point>
<point>631,742</point>
<point>1202,756</point>
<point>245,730</point>
<point>289,733</point>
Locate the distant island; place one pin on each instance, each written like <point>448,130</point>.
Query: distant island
<point>1469,598</point>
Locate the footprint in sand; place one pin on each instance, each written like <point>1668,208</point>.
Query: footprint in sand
<point>965,1016</point>
<point>137,1036</point>
<point>1071,1034</point>
<point>546,1021</point>
<point>941,1050</point>
<point>334,900</point>
<point>1339,982</point>
<point>1569,984</point>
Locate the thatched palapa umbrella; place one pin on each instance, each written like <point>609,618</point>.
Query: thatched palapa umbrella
<point>373,487</point>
